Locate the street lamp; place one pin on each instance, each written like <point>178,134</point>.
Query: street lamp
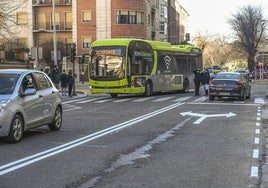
<point>54,34</point>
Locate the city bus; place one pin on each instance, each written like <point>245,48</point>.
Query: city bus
<point>144,67</point>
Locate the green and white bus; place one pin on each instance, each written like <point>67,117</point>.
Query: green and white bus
<point>136,66</point>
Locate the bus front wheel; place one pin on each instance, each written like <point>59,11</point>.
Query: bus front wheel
<point>148,89</point>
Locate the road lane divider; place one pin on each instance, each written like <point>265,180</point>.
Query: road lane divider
<point>12,166</point>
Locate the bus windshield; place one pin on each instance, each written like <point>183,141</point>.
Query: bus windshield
<point>107,63</point>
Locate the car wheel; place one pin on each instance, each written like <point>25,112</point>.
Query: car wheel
<point>57,121</point>
<point>16,129</point>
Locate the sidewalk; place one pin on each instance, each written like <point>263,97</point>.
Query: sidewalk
<point>81,90</point>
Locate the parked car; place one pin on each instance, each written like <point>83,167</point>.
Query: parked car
<point>28,99</point>
<point>230,84</point>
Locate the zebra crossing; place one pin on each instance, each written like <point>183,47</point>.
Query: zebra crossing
<point>157,99</point>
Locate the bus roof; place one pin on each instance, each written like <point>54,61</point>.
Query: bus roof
<point>156,45</point>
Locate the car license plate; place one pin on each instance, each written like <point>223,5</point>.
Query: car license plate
<point>224,93</point>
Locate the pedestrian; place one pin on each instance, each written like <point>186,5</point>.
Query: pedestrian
<point>205,80</point>
<point>48,72</point>
<point>63,83</point>
<point>197,81</point>
<point>70,82</point>
<point>55,76</point>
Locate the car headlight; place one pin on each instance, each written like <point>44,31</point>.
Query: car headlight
<point>3,104</point>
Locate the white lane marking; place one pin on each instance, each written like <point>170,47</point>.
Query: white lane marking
<point>89,100</point>
<point>257,131</point>
<point>254,171</point>
<point>122,100</point>
<point>72,109</point>
<point>103,101</point>
<point>200,99</point>
<point>12,166</point>
<point>182,99</point>
<point>162,99</point>
<point>257,140</point>
<point>71,101</point>
<point>255,154</point>
<point>204,116</point>
<point>259,101</point>
<point>143,99</point>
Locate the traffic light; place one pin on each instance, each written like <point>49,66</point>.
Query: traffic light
<point>73,52</point>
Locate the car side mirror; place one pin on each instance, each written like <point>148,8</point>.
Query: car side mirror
<point>28,91</point>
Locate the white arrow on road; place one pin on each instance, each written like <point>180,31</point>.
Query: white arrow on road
<point>204,116</point>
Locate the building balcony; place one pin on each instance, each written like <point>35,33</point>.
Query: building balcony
<point>61,26</point>
<point>49,2</point>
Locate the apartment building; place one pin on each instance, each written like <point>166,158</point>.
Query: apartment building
<point>84,21</point>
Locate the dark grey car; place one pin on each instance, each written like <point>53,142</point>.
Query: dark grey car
<point>230,84</point>
<point>28,99</point>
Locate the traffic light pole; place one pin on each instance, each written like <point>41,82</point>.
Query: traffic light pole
<point>73,54</point>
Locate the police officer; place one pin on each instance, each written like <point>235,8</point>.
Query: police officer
<point>197,81</point>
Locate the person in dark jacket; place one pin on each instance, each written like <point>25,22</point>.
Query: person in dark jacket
<point>197,81</point>
<point>70,82</point>
<point>55,76</point>
<point>63,83</point>
<point>205,80</point>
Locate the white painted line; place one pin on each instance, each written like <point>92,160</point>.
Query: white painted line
<point>72,109</point>
<point>258,114</point>
<point>258,119</point>
<point>103,101</point>
<point>182,99</point>
<point>71,101</point>
<point>258,124</point>
<point>143,99</point>
<point>254,171</point>
<point>122,100</point>
<point>200,99</point>
<point>257,131</point>
<point>163,99</point>
<point>255,154</point>
<point>259,101</point>
<point>257,140</point>
<point>89,100</point>
<point>12,166</point>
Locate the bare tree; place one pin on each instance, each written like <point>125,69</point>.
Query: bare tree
<point>8,25</point>
<point>249,25</point>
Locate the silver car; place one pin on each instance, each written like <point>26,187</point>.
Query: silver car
<point>28,99</point>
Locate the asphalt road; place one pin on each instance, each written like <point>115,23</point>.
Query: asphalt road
<point>169,140</point>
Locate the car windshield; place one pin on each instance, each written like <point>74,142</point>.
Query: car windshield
<point>227,76</point>
<point>7,83</point>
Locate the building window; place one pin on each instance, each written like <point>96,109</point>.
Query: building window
<point>87,42</point>
<point>129,17</point>
<point>162,27</point>
<point>57,21</point>
<point>22,41</point>
<point>41,21</point>
<point>86,16</point>
<point>68,21</point>
<point>163,11</point>
<point>22,18</point>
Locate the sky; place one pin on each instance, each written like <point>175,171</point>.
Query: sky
<point>210,16</point>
